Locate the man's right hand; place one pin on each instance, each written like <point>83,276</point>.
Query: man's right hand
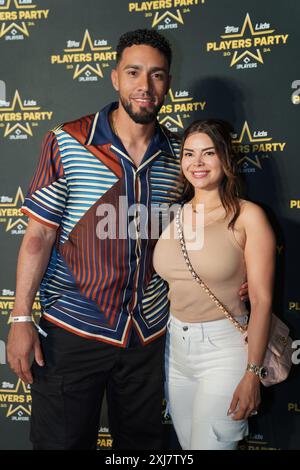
<point>33,259</point>
<point>23,339</point>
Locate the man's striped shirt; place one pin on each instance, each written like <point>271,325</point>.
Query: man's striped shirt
<point>100,283</point>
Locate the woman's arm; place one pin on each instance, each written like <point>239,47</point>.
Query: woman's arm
<point>259,252</point>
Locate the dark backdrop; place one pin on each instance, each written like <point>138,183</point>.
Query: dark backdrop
<point>233,59</point>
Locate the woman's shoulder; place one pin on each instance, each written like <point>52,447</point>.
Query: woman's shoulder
<point>252,214</point>
<point>248,208</point>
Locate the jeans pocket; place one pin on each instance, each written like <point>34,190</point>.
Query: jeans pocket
<point>178,343</point>
<point>228,430</point>
<point>227,339</point>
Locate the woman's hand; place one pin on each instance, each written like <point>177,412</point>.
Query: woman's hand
<point>246,398</point>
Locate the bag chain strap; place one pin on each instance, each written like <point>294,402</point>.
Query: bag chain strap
<point>242,329</point>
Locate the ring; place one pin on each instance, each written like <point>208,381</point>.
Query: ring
<point>253,413</point>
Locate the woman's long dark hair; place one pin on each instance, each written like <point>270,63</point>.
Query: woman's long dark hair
<point>231,188</point>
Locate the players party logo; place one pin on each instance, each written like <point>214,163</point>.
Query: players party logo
<point>246,45</point>
<point>294,305</point>
<point>294,203</point>
<point>87,58</point>
<point>165,14</point>
<point>253,147</point>
<point>256,441</point>
<point>19,117</point>
<point>10,213</point>
<point>15,400</point>
<point>179,105</point>
<point>17,17</point>
<point>7,301</point>
<point>104,440</point>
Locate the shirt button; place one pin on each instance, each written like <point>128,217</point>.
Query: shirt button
<point>185,328</point>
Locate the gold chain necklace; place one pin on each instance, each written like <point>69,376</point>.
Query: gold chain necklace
<point>113,125</point>
<point>212,209</point>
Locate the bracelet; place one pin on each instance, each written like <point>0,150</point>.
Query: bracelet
<point>27,318</point>
<point>20,319</point>
<point>260,371</point>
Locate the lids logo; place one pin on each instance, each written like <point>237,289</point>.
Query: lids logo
<point>17,401</point>
<point>246,48</point>
<point>11,215</point>
<point>20,117</point>
<point>17,16</point>
<point>86,60</point>
<point>164,19</point>
<point>252,147</point>
<point>177,108</point>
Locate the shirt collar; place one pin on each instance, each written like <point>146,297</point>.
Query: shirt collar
<point>101,133</point>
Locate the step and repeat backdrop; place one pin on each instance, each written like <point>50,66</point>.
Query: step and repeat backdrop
<point>235,60</point>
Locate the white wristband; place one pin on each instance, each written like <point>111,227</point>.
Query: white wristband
<point>26,318</point>
<point>20,319</point>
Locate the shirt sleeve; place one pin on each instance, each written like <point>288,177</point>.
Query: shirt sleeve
<point>47,194</point>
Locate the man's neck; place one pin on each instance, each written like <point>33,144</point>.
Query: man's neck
<point>135,137</point>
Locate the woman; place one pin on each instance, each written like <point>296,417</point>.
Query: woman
<point>212,374</point>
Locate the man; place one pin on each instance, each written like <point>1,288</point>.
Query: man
<point>104,308</point>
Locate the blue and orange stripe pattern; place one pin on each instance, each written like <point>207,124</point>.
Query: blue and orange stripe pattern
<point>98,286</point>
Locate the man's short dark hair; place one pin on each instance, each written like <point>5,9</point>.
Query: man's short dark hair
<point>148,37</point>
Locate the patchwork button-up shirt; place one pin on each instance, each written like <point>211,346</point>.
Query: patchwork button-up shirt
<point>100,282</point>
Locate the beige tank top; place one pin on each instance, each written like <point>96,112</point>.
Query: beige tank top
<point>220,263</point>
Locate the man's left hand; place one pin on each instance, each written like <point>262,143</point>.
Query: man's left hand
<point>243,292</point>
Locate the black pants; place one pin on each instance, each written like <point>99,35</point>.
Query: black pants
<point>67,392</point>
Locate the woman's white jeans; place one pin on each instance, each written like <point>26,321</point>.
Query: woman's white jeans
<point>204,364</point>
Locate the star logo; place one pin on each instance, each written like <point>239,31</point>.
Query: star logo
<point>87,46</point>
<point>17,5</point>
<point>169,120</point>
<point>18,105</point>
<point>21,116</point>
<point>246,136</point>
<point>18,201</point>
<point>14,27</point>
<point>166,16</point>
<point>22,396</point>
<point>247,26</point>
<point>179,106</point>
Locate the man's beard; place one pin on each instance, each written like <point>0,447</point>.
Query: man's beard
<point>144,116</point>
